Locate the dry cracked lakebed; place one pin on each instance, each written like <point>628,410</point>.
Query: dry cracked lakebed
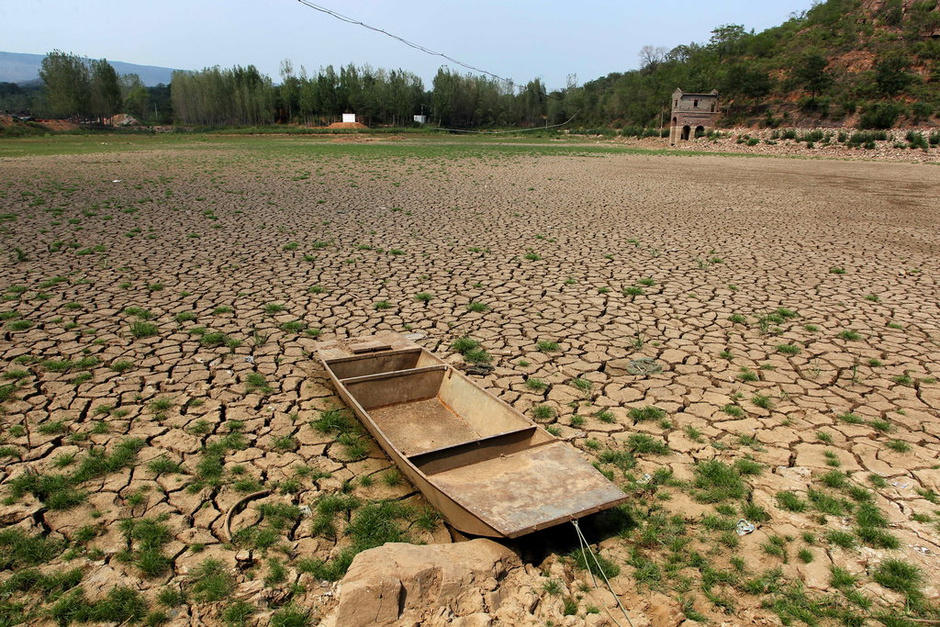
<point>172,451</point>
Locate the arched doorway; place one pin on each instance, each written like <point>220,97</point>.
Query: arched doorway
<point>700,131</point>
<point>685,132</point>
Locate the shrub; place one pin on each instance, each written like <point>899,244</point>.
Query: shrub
<point>916,140</point>
<point>880,115</point>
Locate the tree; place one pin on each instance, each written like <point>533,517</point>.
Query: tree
<point>810,73</point>
<point>13,99</point>
<point>135,96</point>
<point>891,75</point>
<point>892,12</point>
<point>66,84</point>
<point>290,89</point>
<point>240,96</point>
<point>728,39</point>
<point>534,96</point>
<point>652,56</point>
<point>105,91</point>
<point>741,80</point>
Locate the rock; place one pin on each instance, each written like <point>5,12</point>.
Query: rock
<point>664,612</point>
<point>407,584</point>
<point>244,559</point>
<point>474,620</point>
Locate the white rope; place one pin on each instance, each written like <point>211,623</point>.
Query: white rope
<point>584,549</point>
<point>584,543</point>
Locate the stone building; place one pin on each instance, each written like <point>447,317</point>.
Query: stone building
<point>692,115</point>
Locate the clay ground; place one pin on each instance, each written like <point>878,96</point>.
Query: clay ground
<point>162,304</point>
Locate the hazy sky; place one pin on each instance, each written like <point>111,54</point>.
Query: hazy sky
<point>517,39</point>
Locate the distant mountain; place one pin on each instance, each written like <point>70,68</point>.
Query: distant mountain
<point>17,67</point>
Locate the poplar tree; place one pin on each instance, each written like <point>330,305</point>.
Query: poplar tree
<point>66,84</point>
<point>105,92</point>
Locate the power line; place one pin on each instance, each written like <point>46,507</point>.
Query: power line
<point>433,53</point>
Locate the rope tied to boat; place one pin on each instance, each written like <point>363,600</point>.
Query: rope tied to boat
<point>585,550</point>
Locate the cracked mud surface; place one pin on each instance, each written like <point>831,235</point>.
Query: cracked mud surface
<point>793,306</point>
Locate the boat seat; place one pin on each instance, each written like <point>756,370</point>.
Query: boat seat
<point>378,376</point>
<point>395,387</point>
<point>475,451</point>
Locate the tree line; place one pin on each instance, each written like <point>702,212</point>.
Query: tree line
<point>85,90</point>
<point>243,96</point>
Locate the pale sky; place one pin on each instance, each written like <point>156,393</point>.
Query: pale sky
<point>518,39</point>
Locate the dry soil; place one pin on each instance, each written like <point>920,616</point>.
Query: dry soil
<point>793,305</point>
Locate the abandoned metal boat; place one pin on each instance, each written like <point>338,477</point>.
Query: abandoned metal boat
<point>488,469</point>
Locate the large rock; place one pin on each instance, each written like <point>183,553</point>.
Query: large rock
<point>398,584</point>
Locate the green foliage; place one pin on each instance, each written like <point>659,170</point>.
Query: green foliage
<point>898,575</point>
<point>372,525</point>
<point>477,356</point>
<point>543,412</point>
<point>841,538</point>
<point>121,605</point>
<point>596,564</point>
<point>67,84</point>
<point>643,414</point>
<point>238,614</point>
<point>60,491</point>
<point>880,115</point>
<point>147,536</point>
<point>256,383</point>
<point>18,548</point>
<point>334,420</point>
<point>790,501</point>
<point>290,616</point>
<point>211,581</point>
<point>643,443</point>
<point>141,329</point>
<point>536,385</point>
<point>715,482</point>
<point>464,344</point>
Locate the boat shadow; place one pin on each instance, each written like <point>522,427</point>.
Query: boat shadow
<point>536,547</point>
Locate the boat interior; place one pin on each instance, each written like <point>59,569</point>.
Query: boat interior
<point>436,417</point>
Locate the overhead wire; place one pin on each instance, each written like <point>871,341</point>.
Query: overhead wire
<point>434,53</point>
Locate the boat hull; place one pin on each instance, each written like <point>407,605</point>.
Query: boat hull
<point>485,467</point>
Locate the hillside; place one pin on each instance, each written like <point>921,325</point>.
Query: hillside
<point>872,62</point>
<point>17,67</point>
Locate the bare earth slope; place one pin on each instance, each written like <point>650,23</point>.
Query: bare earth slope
<point>793,306</point>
